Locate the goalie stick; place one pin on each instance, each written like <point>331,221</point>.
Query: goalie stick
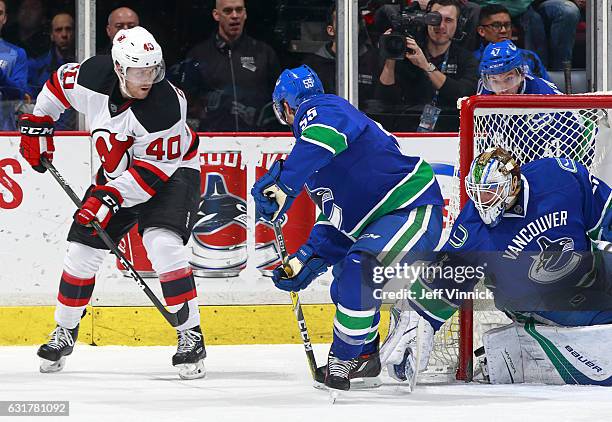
<point>174,319</point>
<point>295,300</point>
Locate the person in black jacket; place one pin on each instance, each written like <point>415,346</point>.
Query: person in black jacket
<point>229,78</point>
<point>323,62</point>
<point>434,74</point>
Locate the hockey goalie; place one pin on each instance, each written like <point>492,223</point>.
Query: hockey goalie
<point>541,235</point>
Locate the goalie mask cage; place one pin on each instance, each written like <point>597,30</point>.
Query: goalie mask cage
<point>529,127</point>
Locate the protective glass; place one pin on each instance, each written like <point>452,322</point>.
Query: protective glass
<point>280,113</point>
<point>146,75</point>
<point>503,82</point>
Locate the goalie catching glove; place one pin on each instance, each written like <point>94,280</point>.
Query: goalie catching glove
<point>103,202</point>
<point>272,197</point>
<point>300,269</point>
<point>36,139</point>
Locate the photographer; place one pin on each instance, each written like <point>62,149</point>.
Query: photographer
<point>430,78</point>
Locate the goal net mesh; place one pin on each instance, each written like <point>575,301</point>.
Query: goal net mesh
<point>529,127</point>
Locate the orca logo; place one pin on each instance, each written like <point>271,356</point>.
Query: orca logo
<point>219,208</point>
<point>556,260</point>
<point>324,199</point>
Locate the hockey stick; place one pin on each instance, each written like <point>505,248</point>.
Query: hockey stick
<point>295,300</point>
<point>175,319</point>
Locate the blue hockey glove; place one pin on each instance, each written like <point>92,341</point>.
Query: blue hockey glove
<point>272,197</point>
<point>301,268</point>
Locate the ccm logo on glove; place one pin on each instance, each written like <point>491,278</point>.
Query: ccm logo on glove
<point>102,204</point>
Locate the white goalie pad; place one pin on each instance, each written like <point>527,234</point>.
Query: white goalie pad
<point>529,353</point>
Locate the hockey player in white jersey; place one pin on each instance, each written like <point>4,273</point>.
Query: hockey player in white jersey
<point>149,175</point>
<point>539,235</point>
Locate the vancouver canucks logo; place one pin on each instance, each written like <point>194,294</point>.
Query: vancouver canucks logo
<point>556,260</point>
<point>324,200</point>
<point>219,208</point>
<point>320,196</point>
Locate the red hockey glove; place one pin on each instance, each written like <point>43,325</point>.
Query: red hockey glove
<point>36,139</point>
<point>103,202</point>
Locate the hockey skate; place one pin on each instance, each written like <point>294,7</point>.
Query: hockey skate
<point>337,376</point>
<point>53,354</point>
<point>363,376</point>
<point>190,354</point>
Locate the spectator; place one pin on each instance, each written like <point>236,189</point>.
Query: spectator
<point>120,18</point>
<point>323,62</point>
<point>13,76</point>
<point>229,78</point>
<point>61,52</point>
<point>434,76</point>
<point>31,29</point>
<point>502,71</point>
<point>496,26</point>
<point>558,18</point>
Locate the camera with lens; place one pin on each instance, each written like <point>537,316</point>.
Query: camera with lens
<point>405,24</point>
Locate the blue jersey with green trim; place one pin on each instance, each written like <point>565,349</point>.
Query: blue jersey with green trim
<point>538,258</point>
<point>352,168</point>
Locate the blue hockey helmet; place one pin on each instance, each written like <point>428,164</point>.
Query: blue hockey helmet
<point>294,86</point>
<point>500,57</point>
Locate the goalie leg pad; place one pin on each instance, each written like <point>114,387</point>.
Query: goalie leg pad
<point>549,354</point>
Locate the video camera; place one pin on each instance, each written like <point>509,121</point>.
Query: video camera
<point>405,24</point>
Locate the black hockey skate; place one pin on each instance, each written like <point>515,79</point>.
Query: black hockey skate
<point>190,354</point>
<point>53,354</point>
<point>364,375</point>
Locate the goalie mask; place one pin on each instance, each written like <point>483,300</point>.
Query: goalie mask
<point>492,184</point>
<point>138,59</point>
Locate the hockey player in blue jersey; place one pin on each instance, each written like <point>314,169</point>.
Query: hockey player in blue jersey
<point>533,228</point>
<point>502,72</point>
<point>376,204</point>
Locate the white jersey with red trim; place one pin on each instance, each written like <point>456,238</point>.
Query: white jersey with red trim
<point>141,142</point>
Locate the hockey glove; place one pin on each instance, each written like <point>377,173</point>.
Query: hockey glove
<point>103,202</point>
<point>272,197</point>
<point>36,139</point>
<point>301,268</point>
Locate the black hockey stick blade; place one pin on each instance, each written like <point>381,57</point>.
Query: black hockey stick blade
<point>174,319</point>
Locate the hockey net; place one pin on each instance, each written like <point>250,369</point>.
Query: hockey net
<point>530,127</point>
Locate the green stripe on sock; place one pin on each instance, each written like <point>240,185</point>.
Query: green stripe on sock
<point>354,323</point>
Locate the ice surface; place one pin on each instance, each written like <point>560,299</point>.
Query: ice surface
<point>268,383</point>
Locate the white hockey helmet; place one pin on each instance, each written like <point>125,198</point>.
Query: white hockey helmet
<point>137,57</point>
<point>493,183</point>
